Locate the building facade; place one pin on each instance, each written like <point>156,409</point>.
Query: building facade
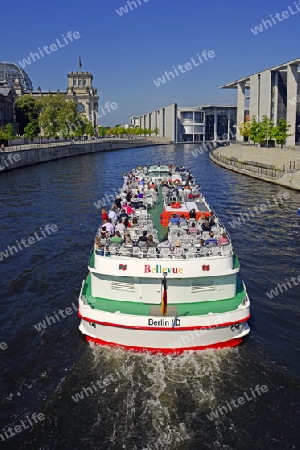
<point>7,106</point>
<point>274,93</point>
<point>80,89</point>
<point>191,124</point>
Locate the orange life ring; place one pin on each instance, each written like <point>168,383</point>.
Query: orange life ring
<point>176,205</point>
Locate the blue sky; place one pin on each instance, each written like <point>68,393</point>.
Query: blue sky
<point>126,53</point>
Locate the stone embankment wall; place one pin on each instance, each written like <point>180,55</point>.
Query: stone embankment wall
<point>21,156</point>
<point>270,168</point>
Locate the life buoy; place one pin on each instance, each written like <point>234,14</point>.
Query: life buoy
<point>177,180</point>
<point>176,205</point>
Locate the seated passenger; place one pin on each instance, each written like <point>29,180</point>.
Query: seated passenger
<point>104,214</point>
<point>142,241</point>
<point>134,222</point>
<point>177,249</point>
<point>164,243</point>
<point>192,214</point>
<point>211,240</point>
<point>127,238</point>
<point>193,229</point>
<point>212,219</point>
<point>223,240</point>
<point>174,219</point>
<point>206,226</point>
<point>183,221</point>
<point>150,242</point>
<point>116,238</point>
<point>120,227</point>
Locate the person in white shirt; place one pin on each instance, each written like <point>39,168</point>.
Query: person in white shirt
<point>113,216</point>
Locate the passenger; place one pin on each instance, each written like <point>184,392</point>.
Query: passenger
<point>134,222</point>
<point>150,242</point>
<point>118,201</point>
<point>177,249</point>
<point>116,238</point>
<point>211,240</point>
<point>223,240</point>
<point>104,214</point>
<point>164,243</point>
<point>174,219</point>
<point>206,225</point>
<point>143,239</point>
<point>109,227</point>
<point>192,214</point>
<point>120,227</point>
<point>128,209</point>
<point>212,219</point>
<point>193,229</point>
<point>113,216</point>
<point>127,238</point>
<point>183,221</point>
<point>124,217</point>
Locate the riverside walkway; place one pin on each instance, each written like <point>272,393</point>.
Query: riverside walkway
<point>275,165</point>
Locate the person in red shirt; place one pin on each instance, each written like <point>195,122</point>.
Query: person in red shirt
<point>104,214</point>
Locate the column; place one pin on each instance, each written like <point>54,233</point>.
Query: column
<point>292,82</point>
<point>215,124</point>
<point>240,108</point>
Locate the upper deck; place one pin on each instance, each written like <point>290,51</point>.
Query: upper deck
<point>166,192</point>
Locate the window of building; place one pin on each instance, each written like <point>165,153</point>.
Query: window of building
<point>199,117</point>
<point>74,82</point>
<point>79,82</point>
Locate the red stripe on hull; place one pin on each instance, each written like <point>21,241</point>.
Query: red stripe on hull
<point>208,327</point>
<point>166,351</point>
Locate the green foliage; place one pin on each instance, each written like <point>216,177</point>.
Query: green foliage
<point>57,116</point>
<point>281,132</point>
<point>9,133</point>
<point>89,129</point>
<point>244,128</point>
<point>31,130</point>
<point>266,131</point>
<point>27,111</point>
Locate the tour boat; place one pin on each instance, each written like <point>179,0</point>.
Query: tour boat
<point>185,297</point>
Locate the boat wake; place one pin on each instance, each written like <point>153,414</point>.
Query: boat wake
<point>164,393</point>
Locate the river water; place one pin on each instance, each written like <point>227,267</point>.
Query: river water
<point>137,401</point>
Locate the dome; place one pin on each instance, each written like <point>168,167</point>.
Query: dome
<point>10,71</point>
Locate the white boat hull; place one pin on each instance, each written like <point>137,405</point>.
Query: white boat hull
<point>166,335</point>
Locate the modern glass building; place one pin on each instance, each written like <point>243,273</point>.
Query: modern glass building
<point>274,93</point>
<point>191,123</point>
<point>9,72</point>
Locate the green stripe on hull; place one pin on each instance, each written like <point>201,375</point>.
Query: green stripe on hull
<point>140,309</point>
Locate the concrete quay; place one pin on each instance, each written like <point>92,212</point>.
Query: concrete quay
<point>279,166</point>
<point>16,157</point>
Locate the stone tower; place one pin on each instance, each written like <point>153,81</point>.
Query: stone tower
<point>80,89</point>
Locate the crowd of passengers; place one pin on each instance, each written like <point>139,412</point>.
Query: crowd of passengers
<point>121,218</point>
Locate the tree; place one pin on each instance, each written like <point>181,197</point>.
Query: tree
<point>244,129</point>
<point>27,111</point>
<point>57,116</point>
<point>89,129</point>
<point>267,130</point>
<point>281,132</point>
<point>254,132</point>
<point>155,131</point>
<point>31,130</point>
<point>9,133</point>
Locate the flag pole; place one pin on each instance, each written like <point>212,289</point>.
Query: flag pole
<point>164,301</point>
